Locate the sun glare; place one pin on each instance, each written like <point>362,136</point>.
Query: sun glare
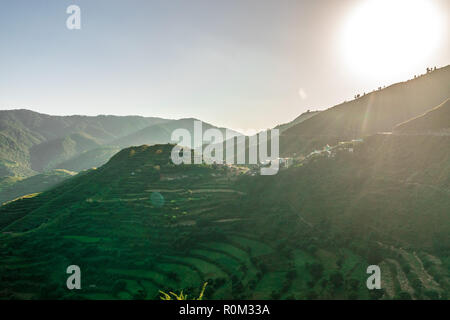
<point>386,37</point>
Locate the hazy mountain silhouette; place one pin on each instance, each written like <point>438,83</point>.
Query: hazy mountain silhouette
<point>32,142</point>
<point>161,133</point>
<point>378,111</point>
<point>27,136</point>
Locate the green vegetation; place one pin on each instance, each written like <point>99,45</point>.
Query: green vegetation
<point>140,226</point>
<point>18,187</point>
<point>307,233</point>
<point>32,140</point>
<point>89,159</point>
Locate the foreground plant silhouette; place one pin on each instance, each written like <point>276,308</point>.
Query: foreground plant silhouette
<point>181,296</point>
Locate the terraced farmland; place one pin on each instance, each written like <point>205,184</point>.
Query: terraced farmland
<point>133,233</point>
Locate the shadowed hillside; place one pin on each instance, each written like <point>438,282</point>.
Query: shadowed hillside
<point>46,155</point>
<point>89,159</point>
<point>378,111</point>
<point>304,116</point>
<point>161,133</point>
<point>31,142</point>
<point>34,184</point>
<point>436,121</point>
<point>140,224</point>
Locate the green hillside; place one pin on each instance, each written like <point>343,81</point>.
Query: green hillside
<point>46,155</point>
<point>33,140</point>
<point>140,224</point>
<point>89,159</point>
<point>37,183</point>
<point>161,133</point>
<point>32,143</point>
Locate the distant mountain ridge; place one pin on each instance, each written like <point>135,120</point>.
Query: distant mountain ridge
<point>161,133</point>
<point>31,142</point>
<point>22,131</point>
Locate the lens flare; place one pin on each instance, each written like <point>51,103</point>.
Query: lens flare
<point>385,37</point>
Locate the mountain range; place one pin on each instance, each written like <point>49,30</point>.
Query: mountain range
<point>369,184</point>
<point>32,142</point>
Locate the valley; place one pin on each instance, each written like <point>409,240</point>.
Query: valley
<point>363,187</point>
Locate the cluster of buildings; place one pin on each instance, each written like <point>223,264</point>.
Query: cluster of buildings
<point>331,151</point>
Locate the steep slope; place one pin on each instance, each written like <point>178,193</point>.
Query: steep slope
<point>392,185</point>
<point>21,130</point>
<point>45,155</point>
<point>437,121</point>
<point>34,184</point>
<point>161,133</point>
<point>379,111</point>
<point>88,159</point>
<point>140,224</point>
<point>138,200</point>
<point>304,116</point>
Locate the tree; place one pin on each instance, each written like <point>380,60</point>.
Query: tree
<point>119,285</point>
<point>376,294</point>
<point>337,279</point>
<point>140,295</point>
<point>315,269</point>
<point>50,291</point>
<point>275,295</point>
<point>432,294</point>
<point>311,295</point>
<point>353,284</point>
<point>402,295</point>
<point>353,295</point>
<point>291,275</point>
<point>172,276</point>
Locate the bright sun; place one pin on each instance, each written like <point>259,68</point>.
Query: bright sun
<point>383,37</point>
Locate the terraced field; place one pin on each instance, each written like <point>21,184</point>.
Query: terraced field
<point>133,233</point>
<point>129,247</point>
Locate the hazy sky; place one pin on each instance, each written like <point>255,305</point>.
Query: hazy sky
<point>247,64</point>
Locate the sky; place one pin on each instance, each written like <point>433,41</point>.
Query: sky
<point>242,64</point>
